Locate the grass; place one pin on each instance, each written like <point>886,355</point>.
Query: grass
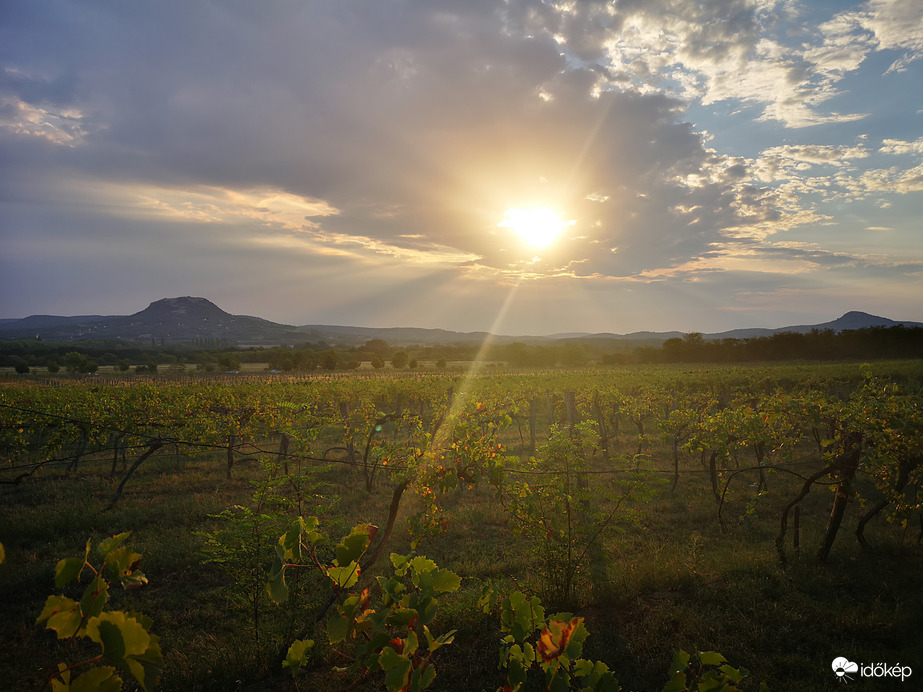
<point>676,581</point>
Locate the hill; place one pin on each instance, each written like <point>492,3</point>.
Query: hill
<point>192,319</point>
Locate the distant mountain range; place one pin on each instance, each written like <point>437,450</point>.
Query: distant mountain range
<point>189,319</point>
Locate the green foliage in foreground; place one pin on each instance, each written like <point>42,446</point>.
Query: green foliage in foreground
<point>389,630</point>
<point>125,639</point>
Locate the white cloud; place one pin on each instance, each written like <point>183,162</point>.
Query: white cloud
<point>63,127</point>
<point>896,25</point>
<point>898,147</point>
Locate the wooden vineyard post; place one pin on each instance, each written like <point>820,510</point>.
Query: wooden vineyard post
<point>283,453</point>
<point>81,447</point>
<point>570,405</point>
<point>796,531</point>
<point>232,440</point>
<point>601,424</point>
<point>350,448</point>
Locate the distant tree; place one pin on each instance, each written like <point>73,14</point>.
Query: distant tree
<point>21,367</point>
<point>52,366</point>
<point>516,354</point>
<point>228,361</point>
<point>75,362</point>
<point>123,366</point>
<point>399,360</point>
<point>413,364</point>
<point>330,360</point>
<point>108,358</point>
<point>378,363</point>
<point>377,346</point>
<point>305,360</point>
<point>441,363</point>
<point>574,356</point>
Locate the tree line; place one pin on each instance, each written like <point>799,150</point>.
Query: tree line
<point>873,343</point>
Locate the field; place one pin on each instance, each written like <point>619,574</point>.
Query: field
<point>648,501</point>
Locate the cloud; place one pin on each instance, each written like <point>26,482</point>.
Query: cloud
<point>896,25</point>
<point>897,147</point>
<point>62,127</point>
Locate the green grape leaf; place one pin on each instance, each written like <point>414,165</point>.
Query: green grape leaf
<point>442,640</point>
<point>421,565</point>
<point>61,682</point>
<point>677,683</point>
<point>596,676</point>
<point>145,621</point>
<point>711,658</point>
<point>401,617</point>
<point>102,679</point>
<point>732,674</point>
<point>679,664</point>
<point>712,683</point>
<point>146,667</point>
<point>289,548</point>
<point>574,647</point>
<point>516,673</point>
<point>582,668</point>
<point>355,544</point>
<point>276,586</point>
<point>296,657</point>
<point>120,636</point>
<point>63,616</point>
<point>445,581</point>
<point>309,529</point>
<point>337,629</point>
<point>422,677</point>
<point>108,545</point>
<point>346,576</point>
<point>561,680</point>
<point>401,564</point>
<point>397,669</point>
<point>521,615</point>
<point>123,564</point>
<point>68,570</point>
<point>94,598</point>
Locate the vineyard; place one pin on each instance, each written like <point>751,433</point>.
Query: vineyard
<point>462,531</point>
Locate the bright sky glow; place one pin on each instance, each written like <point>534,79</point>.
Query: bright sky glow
<point>538,226</point>
<point>713,164</point>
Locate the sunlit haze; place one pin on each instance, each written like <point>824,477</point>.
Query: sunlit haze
<point>626,166</point>
<point>537,226</point>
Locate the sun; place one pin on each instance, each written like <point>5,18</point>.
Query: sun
<point>538,226</point>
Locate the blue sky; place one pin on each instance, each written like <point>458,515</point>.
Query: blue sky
<point>712,165</point>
